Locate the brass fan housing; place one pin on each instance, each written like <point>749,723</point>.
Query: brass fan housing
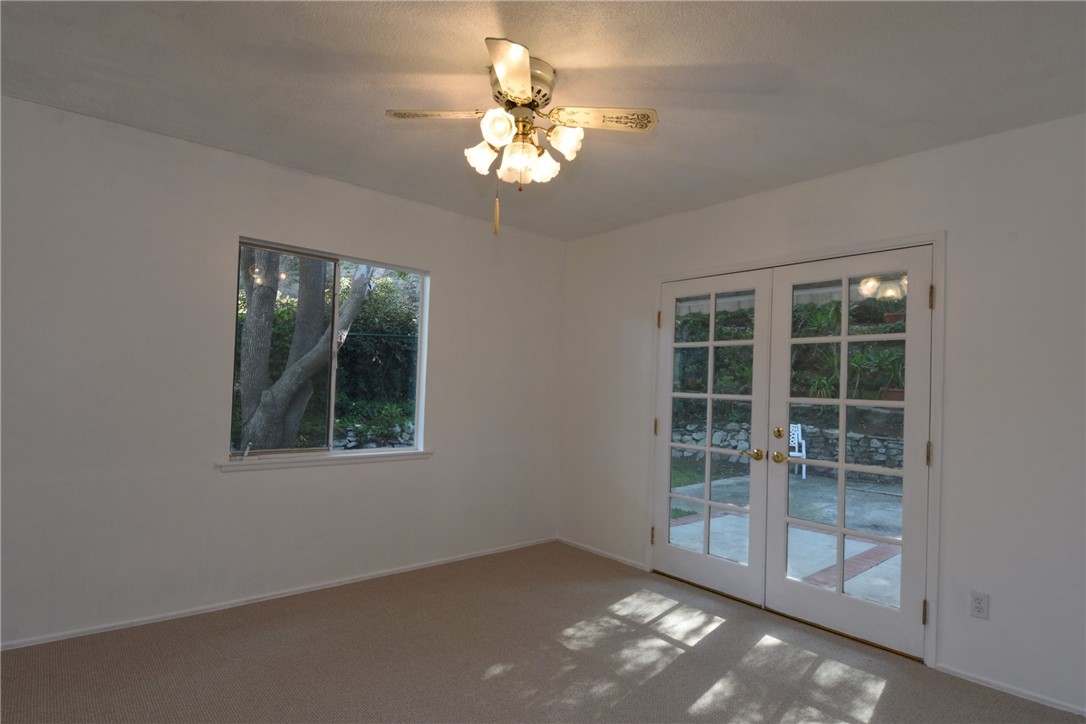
<point>543,76</point>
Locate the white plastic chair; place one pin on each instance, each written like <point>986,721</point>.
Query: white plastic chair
<point>797,446</point>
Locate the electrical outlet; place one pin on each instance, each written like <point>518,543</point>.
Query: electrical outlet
<point>978,604</point>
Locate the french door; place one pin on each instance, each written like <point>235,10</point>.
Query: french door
<point>791,458</point>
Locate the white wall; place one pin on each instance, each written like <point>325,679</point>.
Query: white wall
<point>119,281</point>
<point>1013,503</point>
<point>119,256</point>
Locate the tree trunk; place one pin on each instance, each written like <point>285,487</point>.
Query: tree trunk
<point>256,331</point>
<point>308,325</point>
<point>265,427</point>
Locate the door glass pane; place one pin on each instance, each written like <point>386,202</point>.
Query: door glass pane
<point>876,304</point>
<point>688,421</point>
<point>816,370</point>
<point>816,309</point>
<point>733,370</point>
<point>729,535</point>
<point>688,472</point>
<point>873,503</point>
<point>818,436</point>
<point>729,477</point>
<point>876,370</point>
<point>875,436</point>
<point>691,369</point>
<point>812,493</point>
<point>735,315</point>
<point>873,571</point>
<point>687,528</point>
<point>812,556</point>
<point>731,424</point>
<point>692,319</point>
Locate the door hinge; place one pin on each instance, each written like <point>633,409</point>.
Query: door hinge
<point>658,319</point>
<point>652,536</point>
<point>931,296</point>
<point>924,613</point>
<point>927,454</point>
<point>656,426</point>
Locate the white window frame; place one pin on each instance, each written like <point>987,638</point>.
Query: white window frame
<point>275,459</point>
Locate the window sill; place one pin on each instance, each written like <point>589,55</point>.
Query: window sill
<point>276,462</point>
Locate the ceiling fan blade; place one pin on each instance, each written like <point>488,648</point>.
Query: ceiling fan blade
<point>607,119</point>
<point>513,68</point>
<point>443,115</point>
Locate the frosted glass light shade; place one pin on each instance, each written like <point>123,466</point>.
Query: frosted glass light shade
<point>481,157</point>
<point>868,287</point>
<point>566,140</point>
<point>546,168</point>
<point>889,290</point>
<point>518,163</point>
<point>498,127</point>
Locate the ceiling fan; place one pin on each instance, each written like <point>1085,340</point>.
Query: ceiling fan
<point>522,86</point>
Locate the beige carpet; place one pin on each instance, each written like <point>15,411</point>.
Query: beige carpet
<point>547,633</point>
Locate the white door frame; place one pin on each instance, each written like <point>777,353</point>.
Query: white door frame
<point>937,240</point>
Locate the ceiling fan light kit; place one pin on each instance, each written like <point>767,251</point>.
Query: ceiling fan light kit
<point>523,86</point>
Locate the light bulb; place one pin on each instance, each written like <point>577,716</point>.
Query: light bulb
<point>566,140</point>
<point>256,270</point>
<point>498,127</point>
<point>868,286</point>
<point>282,276</point>
<point>905,283</point>
<point>480,157</point>
<point>546,167</point>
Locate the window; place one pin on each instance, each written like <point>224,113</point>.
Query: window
<point>326,353</point>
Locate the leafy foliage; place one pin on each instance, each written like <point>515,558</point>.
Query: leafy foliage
<point>816,320</point>
<point>735,324</point>
<point>692,327</point>
<point>376,374</point>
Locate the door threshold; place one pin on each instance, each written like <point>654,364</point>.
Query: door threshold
<point>835,632</point>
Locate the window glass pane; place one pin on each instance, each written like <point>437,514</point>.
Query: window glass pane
<point>816,370</point>
<point>282,351</point>
<point>812,493</point>
<point>729,535</point>
<point>731,424</point>
<point>691,373</point>
<point>733,370</point>
<point>376,367</point>
<point>687,529</point>
<point>296,311</point>
<point>816,309</point>
<point>876,370</point>
<point>692,319</point>
<point>812,556</point>
<point>873,571</point>
<point>734,315</point>
<point>688,472</point>
<point>813,432</point>
<point>876,304</point>
<point>688,419</point>
<point>876,436</point>
<point>873,503</point>
<point>729,479</point>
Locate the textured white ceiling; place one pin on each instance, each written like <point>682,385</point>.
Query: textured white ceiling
<point>751,96</point>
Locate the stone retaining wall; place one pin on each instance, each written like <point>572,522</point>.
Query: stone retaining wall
<point>822,444</point>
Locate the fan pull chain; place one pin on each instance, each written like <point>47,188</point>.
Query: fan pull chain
<point>497,205</point>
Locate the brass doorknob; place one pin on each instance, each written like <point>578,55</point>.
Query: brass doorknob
<point>778,432</point>
<point>755,453</point>
<point>779,457</point>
